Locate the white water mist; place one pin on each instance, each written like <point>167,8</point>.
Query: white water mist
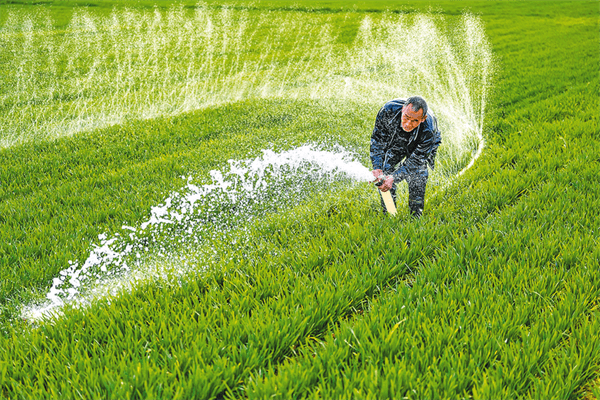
<point>132,64</point>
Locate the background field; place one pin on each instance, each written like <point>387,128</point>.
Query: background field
<point>492,294</point>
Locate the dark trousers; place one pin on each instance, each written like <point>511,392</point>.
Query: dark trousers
<point>416,194</point>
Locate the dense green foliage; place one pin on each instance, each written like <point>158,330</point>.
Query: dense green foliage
<point>57,203</point>
<point>492,294</point>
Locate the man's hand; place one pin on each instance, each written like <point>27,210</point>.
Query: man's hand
<point>387,183</point>
<point>377,173</point>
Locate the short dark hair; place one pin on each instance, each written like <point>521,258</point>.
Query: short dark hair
<point>418,103</point>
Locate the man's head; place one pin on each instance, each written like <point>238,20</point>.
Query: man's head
<point>413,113</point>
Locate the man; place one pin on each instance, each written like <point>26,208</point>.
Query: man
<point>404,141</point>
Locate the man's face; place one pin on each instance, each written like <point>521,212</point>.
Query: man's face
<point>410,118</point>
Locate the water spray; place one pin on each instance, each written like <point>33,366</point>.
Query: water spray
<point>132,65</point>
<point>139,65</point>
<point>195,217</point>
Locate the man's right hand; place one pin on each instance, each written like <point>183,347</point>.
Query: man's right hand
<point>387,183</point>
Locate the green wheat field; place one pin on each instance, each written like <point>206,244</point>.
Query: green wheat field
<point>175,222</point>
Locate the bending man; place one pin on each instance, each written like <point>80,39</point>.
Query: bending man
<point>404,141</point>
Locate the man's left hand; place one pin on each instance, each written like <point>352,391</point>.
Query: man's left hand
<point>387,183</point>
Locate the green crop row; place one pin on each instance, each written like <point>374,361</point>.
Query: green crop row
<point>503,9</point>
<point>505,308</point>
<point>244,316</point>
<point>487,312</point>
